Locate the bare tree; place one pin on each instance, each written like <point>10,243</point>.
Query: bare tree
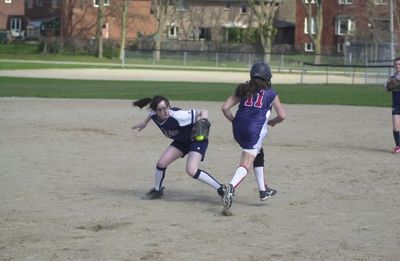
<point>77,25</point>
<point>120,9</point>
<point>99,29</point>
<point>265,12</point>
<point>162,10</point>
<point>67,11</point>
<point>374,30</point>
<point>202,22</point>
<point>396,12</point>
<point>315,23</point>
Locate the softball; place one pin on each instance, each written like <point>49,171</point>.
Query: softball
<point>199,138</point>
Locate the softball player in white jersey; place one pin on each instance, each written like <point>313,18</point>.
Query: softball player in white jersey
<point>177,125</point>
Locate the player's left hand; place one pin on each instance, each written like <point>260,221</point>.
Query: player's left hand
<point>139,126</point>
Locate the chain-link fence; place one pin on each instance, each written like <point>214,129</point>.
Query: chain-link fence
<point>223,60</point>
<point>350,74</point>
<point>358,66</point>
<point>332,68</point>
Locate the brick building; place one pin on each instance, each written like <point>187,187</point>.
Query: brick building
<point>82,19</point>
<point>12,19</point>
<point>77,19</point>
<point>346,23</point>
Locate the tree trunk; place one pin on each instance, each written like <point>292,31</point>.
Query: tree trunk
<point>268,44</point>
<point>44,39</point>
<point>157,47</point>
<point>317,58</point>
<point>264,13</point>
<point>318,37</point>
<point>124,20</point>
<point>319,23</point>
<point>267,50</point>
<point>62,20</point>
<point>164,11</point>
<point>99,31</point>
<point>100,47</point>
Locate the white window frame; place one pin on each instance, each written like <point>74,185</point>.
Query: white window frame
<point>15,26</point>
<point>106,3</point>
<point>309,47</point>
<point>313,25</point>
<point>203,30</point>
<point>8,1</point>
<point>381,2</point>
<point>350,24</point>
<point>340,47</point>
<point>345,2</point>
<point>173,31</point>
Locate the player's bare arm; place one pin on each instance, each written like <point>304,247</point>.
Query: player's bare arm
<point>280,112</point>
<point>143,124</point>
<point>228,104</point>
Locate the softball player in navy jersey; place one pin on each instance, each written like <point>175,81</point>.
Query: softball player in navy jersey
<point>177,125</point>
<point>256,98</point>
<point>396,108</point>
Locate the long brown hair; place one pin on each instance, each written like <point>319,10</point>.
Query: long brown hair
<point>251,87</point>
<point>152,101</point>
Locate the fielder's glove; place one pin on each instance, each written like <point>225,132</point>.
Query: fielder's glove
<point>201,129</point>
<point>393,84</point>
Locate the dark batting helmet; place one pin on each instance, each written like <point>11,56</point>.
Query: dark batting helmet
<point>261,70</point>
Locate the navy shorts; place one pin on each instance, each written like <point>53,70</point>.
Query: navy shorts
<point>396,111</point>
<point>186,147</point>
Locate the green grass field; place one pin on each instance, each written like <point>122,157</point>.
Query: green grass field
<point>331,94</point>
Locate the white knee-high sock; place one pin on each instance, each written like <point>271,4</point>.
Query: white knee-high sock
<point>259,173</point>
<point>159,177</point>
<point>207,179</point>
<point>239,175</point>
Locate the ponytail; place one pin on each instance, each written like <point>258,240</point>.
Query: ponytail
<point>142,102</point>
<point>153,102</point>
<point>248,89</point>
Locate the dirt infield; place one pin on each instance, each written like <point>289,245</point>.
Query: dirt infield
<point>73,175</point>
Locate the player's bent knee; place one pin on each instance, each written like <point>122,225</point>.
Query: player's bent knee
<point>161,165</point>
<point>194,173</point>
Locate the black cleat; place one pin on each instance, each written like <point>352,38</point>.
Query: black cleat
<point>227,199</point>
<point>155,194</point>
<point>220,191</point>
<point>269,192</point>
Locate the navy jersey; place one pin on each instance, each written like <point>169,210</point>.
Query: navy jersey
<point>250,123</point>
<point>396,94</point>
<point>179,124</point>
<point>396,99</point>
